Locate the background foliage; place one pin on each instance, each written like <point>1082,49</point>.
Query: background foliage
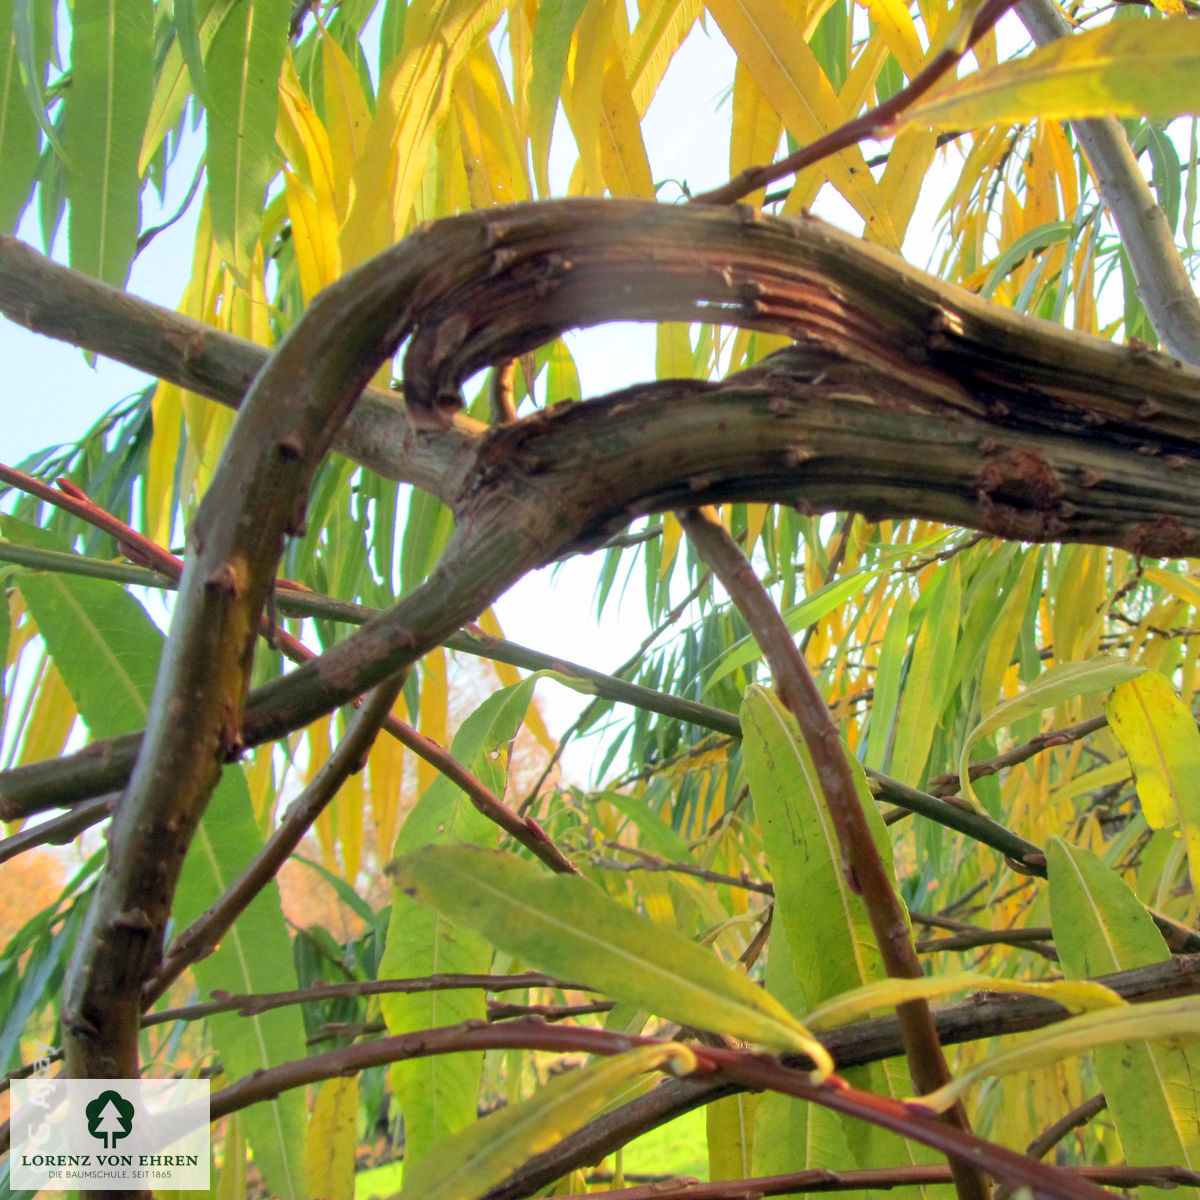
<point>1007,673</point>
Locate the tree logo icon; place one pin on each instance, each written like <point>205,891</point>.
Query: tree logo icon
<point>109,1118</point>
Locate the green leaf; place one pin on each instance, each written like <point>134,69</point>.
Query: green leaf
<point>1100,926</point>
<point>34,31</point>
<point>107,104</point>
<point>568,927</point>
<point>827,935</point>
<point>19,148</point>
<point>487,1152</point>
<point>552,31</point>
<point>1063,681</point>
<point>440,1095</point>
<point>822,917</point>
<point>1126,69</point>
<point>97,635</point>
<point>812,608</point>
<point>923,697</point>
<point>1029,243</point>
<point>1168,1020</point>
<point>242,72</point>
<point>887,683</point>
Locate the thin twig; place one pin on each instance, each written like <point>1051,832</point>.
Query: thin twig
<point>649,862</point>
<point>250,1004</point>
<point>1053,1134</point>
<point>58,831</point>
<point>870,124</point>
<point>948,784</point>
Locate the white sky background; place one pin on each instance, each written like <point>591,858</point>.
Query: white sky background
<point>51,395</point>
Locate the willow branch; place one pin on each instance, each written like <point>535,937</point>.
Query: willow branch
<point>861,861</point>
<point>58,831</point>
<point>739,1067</point>
<point>948,784</point>
<point>874,1179</point>
<point>147,553</point>
<point>348,757</point>
<point>1081,1114</point>
<point>1163,284</point>
<point>54,300</point>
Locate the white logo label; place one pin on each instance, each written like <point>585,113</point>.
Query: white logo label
<point>109,1134</point>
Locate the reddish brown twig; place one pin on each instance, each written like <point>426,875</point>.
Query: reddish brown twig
<point>872,123</point>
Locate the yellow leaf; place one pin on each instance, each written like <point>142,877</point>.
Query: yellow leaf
<point>411,107</point>
<point>347,118</point>
<point>1158,733</point>
<point>51,718</point>
<point>661,28</point>
<point>907,169</point>
<point>1169,1020</point>
<point>765,38</point>
<point>584,98</point>
<point>494,164</point>
<point>314,237</point>
<point>623,159</point>
<point>510,676</point>
<point>757,128</point>
<point>471,1162</point>
<point>1125,69</point>
<point>330,1144</point>
<point>896,27</point>
<point>435,702</point>
<point>1080,995</point>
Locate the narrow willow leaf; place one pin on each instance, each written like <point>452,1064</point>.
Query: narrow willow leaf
<point>1063,681</point>
<point>1171,1021</point>
<point>1079,995</point>
<point>34,33</point>
<point>332,1139</point>
<point>924,695</point>
<point>1125,69</point>
<point>887,683</point>
<point>568,927</point>
<point>1159,735</point>
<point>822,926</point>
<point>1100,926</point>
<point>440,1095</point>
<point>242,74</point>
<point>824,920</point>
<point>96,633</point>
<point>19,150</point>
<point>729,1124</point>
<point>107,105</point>
<point>552,31</point>
<point>474,1161</point>
<point>767,40</point>
<point>810,610</point>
